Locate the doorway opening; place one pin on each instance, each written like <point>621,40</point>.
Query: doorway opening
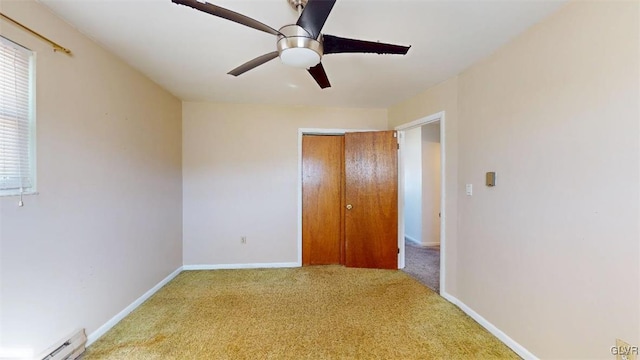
<point>421,200</point>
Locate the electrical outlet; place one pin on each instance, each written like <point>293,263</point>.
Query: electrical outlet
<point>243,240</point>
<point>624,351</point>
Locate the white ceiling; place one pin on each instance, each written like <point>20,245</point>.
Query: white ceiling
<point>189,52</point>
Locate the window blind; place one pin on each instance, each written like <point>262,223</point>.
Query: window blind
<point>17,168</point>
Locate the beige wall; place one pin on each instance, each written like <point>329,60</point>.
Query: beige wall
<point>431,180</point>
<point>240,173</point>
<point>550,255</point>
<point>106,226</point>
<point>412,168</point>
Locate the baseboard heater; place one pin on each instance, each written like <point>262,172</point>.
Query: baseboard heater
<point>69,348</point>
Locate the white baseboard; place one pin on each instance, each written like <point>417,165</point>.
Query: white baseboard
<point>519,349</point>
<point>407,237</point>
<point>419,243</point>
<point>240,266</point>
<point>122,314</point>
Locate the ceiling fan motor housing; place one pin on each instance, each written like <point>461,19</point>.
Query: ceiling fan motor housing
<point>297,48</point>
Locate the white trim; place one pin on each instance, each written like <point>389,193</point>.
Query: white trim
<point>312,131</point>
<point>422,121</point>
<point>413,240</point>
<point>28,193</point>
<point>430,244</point>
<point>240,266</point>
<point>419,243</point>
<point>401,254</point>
<point>122,314</point>
<point>439,116</point>
<point>519,349</point>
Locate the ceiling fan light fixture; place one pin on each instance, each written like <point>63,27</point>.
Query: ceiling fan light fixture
<point>301,44</point>
<point>300,57</point>
<point>297,49</point>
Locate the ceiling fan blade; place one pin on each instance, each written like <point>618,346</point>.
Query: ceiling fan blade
<point>228,14</point>
<point>253,63</point>
<point>314,16</point>
<point>320,76</point>
<point>336,45</point>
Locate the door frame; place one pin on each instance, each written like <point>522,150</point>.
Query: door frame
<point>439,116</point>
<point>312,131</point>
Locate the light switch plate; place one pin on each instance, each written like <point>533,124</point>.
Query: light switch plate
<point>469,189</point>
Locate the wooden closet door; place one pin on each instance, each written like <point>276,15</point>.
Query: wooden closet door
<point>322,197</point>
<point>371,220</point>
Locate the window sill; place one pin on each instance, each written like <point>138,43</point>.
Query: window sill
<point>29,193</point>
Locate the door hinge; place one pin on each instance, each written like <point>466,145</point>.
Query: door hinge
<point>398,250</point>
<point>398,146</point>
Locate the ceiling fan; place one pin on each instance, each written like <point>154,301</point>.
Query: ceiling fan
<point>300,44</point>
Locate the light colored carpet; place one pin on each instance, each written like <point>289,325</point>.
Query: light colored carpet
<point>423,263</point>
<point>319,312</point>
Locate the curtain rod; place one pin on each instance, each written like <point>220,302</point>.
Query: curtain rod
<point>55,45</point>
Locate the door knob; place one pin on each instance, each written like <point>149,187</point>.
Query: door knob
<point>349,207</point>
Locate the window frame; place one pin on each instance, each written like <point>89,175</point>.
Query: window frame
<point>32,160</point>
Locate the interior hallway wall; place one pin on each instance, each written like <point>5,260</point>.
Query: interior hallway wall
<point>430,147</point>
<point>412,163</point>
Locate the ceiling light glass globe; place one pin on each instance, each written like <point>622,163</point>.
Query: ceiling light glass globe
<point>300,57</point>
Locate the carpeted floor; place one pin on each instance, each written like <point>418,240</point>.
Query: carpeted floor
<point>320,312</point>
<point>423,263</point>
